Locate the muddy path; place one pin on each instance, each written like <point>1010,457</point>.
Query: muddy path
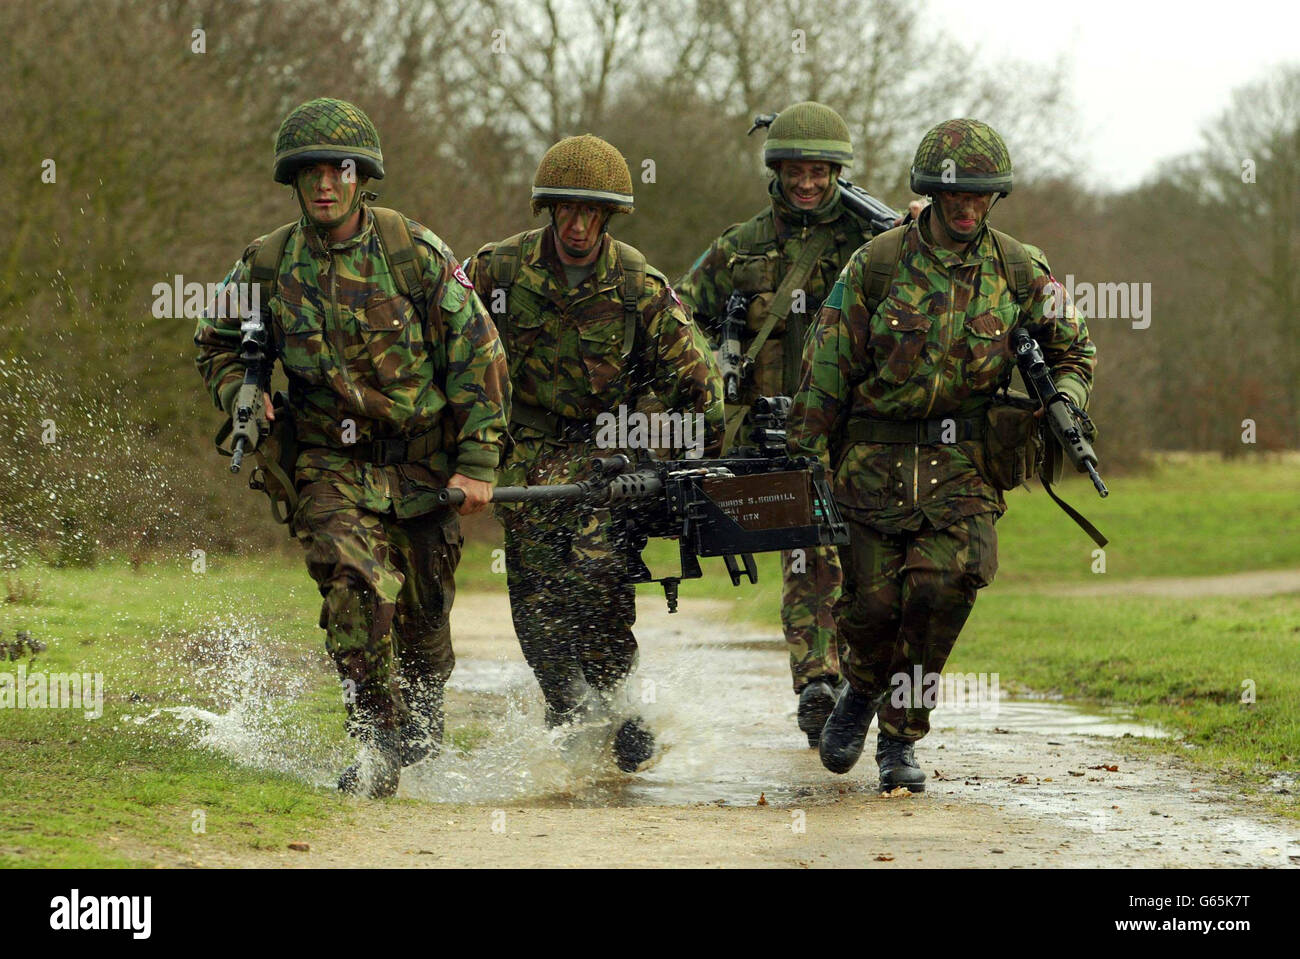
<point>1253,583</point>
<point>1023,784</point>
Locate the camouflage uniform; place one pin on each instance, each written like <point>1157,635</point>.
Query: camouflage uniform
<point>921,514</point>
<point>754,257</point>
<point>363,368</point>
<point>573,608</point>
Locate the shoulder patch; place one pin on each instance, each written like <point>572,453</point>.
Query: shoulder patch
<point>836,300</point>
<point>460,276</point>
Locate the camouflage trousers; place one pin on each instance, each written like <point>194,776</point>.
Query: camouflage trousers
<point>810,587</point>
<point>388,587</point>
<point>572,605</point>
<point>905,599</point>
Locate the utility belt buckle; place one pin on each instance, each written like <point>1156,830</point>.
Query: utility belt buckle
<point>389,452</point>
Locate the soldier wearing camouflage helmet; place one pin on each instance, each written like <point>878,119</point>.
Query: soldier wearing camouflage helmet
<point>397,388</point>
<point>588,328</point>
<point>898,396</point>
<point>786,259</point>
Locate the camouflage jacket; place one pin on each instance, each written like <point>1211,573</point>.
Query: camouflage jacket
<point>938,346</point>
<point>565,353</point>
<point>754,257</point>
<point>360,367</point>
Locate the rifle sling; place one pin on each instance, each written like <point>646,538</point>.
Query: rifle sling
<point>779,307</point>
<point>796,279</point>
<point>1074,514</point>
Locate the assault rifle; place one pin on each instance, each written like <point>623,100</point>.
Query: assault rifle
<point>1069,424</point>
<point>1071,428</point>
<point>880,215</point>
<point>247,425</point>
<point>757,501</point>
<point>731,359</point>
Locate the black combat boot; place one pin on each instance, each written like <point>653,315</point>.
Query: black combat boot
<point>816,701</point>
<point>378,769</point>
<point>422,735</point>
<point>845,731</point>
<point>897,761</point>
<point>633,744</point>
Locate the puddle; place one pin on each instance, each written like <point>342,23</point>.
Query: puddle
<point>722,711</point>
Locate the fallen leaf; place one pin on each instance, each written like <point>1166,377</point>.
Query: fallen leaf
<point>941,777</point>
<point>1109,769</point>
<point>1002,731</point>
<point>762,799</point>
<point>300,846</point>
<point>884,859</point>
<point>997,850</point>
<point>1073,773</point>
<point>1047,779</point>
<point>898,792</point>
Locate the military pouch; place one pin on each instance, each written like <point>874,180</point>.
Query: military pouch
<point>1013,441</point>
<point>275,458</point>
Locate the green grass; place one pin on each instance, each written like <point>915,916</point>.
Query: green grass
<point>109,791</point>
<point>1186,665</point>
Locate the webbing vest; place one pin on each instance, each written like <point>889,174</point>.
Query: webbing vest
<point>887,249</point>
<point>883,257</point>
<point>503,269</point>
<point>403,260</point>
<point>394,238</point>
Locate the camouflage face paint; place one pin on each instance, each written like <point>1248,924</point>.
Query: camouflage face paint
<point>962,214</point>
<point>326,197</point>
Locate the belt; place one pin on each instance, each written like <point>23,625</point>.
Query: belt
<point>552,424</point>
<point>391,451</point>
<point>865,429</point>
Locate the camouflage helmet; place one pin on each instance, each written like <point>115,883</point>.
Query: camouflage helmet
<point>962,156</point>
<point>327,129</point>
<point>583,169</point>
<point>808,131</point>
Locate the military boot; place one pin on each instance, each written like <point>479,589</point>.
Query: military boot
<point>845,731</point>
<point>633,744</point>
<point>422,735</point>
<point>378,769</point>
<point>816,701</point>
<point>897,761</point>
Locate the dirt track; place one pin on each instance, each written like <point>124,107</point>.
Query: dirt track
<point>735,784</point>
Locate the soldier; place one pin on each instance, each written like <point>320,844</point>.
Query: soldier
<point>786,258</point>
<point>898,381</point>
<point>397,388</point>
<point>588,326</point>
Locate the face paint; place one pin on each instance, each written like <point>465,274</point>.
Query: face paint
<point>578,228</point>
<point>961,215</point>
<point>325,197</point>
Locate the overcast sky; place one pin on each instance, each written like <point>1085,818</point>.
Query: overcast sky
<point>1145,75</point>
